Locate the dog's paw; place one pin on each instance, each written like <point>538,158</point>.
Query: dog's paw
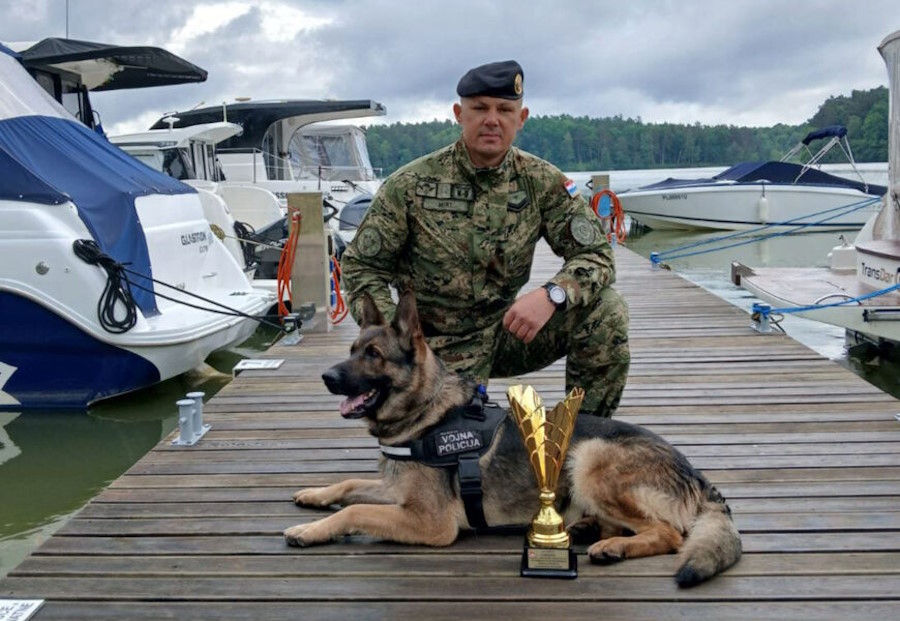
<point>607,552</point>
<point>584,530</point>
<point>313,497</point>
<point>302,535</point>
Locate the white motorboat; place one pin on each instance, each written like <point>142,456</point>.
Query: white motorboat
<point>781,195</point>
<point>860,291</point>
<point>110,277</point>
<point>292,145</point>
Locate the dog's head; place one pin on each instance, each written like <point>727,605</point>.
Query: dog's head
<point>385,362</point>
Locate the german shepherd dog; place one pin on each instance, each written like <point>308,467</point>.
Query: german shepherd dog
<point>621,483</point>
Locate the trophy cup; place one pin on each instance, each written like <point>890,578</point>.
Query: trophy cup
<point>547,553</point>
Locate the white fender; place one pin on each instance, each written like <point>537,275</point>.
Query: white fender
<point>762,206</point>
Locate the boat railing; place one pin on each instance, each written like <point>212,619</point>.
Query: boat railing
<point>336,173</point>
<point>815,159</point>
<point>277,167</point>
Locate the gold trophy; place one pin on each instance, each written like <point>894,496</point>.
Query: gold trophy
<point>547,553</point>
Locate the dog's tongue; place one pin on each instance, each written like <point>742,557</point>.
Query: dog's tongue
<point>351,403</point>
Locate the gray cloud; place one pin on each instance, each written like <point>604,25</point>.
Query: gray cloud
<point>742,62</point>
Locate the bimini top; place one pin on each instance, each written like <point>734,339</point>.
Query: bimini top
<point>49,158</point>
<point>779,173</point>
<point>256,117</point>
<point>832,131</point>
<point>105,67</point>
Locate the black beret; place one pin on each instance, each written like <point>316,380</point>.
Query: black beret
<point>502,79</point>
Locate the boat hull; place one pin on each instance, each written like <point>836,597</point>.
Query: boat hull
<point>54,353</point>
<point>48,362</point>
<point>741,207</point>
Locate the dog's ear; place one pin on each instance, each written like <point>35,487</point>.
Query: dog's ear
<point>370,316</point>
<point>406,320</point>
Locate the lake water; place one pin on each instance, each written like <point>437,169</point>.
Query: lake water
<point>52,463</point>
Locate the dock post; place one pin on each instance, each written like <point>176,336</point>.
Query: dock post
<point>197,412</point>
<point>760,315</point>
<point>310,275</point>
<point>185,422</point>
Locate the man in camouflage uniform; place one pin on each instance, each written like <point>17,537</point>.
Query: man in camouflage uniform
<point>459,227</point>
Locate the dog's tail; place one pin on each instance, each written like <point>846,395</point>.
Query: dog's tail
<point>712,546</point>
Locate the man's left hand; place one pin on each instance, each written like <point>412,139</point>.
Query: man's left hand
<point>528,315</point>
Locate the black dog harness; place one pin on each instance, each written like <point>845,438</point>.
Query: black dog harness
<point>464,435</point>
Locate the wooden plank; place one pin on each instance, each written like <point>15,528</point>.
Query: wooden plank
<point>273,544</point>
<point>583,610</point>
<point>478,589</point>
<point>774,491</point>
<point>157,508</point>
<point>262,525</point>
<point>828,563</point>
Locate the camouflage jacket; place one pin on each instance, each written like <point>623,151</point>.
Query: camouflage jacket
<point>464,239</point>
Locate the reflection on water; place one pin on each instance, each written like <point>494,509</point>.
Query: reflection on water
<point>709,265</point>
<point>52,462</point>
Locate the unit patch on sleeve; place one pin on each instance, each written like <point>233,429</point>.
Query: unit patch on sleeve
<point>582,230</point>
<point>369,242</point>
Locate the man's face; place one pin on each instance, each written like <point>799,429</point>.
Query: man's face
<point>489,125</point>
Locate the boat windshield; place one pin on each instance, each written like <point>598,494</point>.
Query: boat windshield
<point>332,153</point>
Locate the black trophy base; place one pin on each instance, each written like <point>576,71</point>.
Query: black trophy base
<point>549,563</point>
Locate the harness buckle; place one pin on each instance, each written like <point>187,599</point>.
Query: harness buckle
<point>470,489</point>
<point>475,407</point>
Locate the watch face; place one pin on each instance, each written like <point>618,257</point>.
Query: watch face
<point>557,295</point>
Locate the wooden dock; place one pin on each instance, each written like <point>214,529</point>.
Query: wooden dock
<point>807,453</point>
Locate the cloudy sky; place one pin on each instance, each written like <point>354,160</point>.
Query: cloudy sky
<point>740,62</point>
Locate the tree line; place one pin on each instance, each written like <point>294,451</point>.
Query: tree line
<point>619,143</point>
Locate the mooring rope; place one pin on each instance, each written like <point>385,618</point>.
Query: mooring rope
<point>673,253</point>
<point>766,311</point>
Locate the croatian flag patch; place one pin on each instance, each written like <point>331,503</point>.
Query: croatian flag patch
<point>571,188</point>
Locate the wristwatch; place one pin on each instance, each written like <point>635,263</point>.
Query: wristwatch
<point>556,294</point>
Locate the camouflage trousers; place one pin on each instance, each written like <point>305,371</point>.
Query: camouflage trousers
<point>593,340</point>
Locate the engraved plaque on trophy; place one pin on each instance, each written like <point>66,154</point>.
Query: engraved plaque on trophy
<point>548,552</point>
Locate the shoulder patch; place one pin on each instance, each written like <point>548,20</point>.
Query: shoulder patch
<point>583,231</point>
<point>368,240</point>
<point>571,187</point>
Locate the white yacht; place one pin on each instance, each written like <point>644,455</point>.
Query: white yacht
<point>294,145</point>
<point>110,277</point>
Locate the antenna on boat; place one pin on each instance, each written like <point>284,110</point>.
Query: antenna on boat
<point>170,119</point>
<point>225,106</point>
<point>196,105</point>
<point>67,19</point>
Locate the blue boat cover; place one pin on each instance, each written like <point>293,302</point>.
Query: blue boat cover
<point>52,159</point>
<point>782,173</point>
